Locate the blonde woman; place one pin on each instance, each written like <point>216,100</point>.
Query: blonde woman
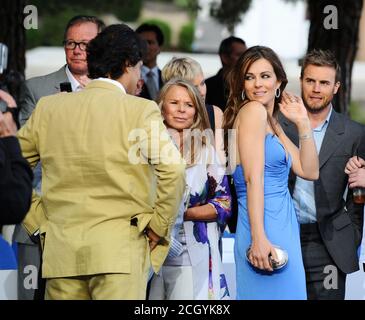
<point>189,69</point>
<point>193,268</point>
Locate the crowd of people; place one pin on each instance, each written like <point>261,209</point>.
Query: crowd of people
<point>139,171</point>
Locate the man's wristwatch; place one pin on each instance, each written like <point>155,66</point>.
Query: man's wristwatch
<point>4,108</point>
<point>11,110</point>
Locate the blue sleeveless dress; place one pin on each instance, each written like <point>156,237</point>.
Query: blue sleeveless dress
<point>281,227</point>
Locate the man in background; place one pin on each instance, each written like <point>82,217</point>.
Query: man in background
<point>74,76</point>
<point>230,50</point>
<point>151,74</point>
<point>16,175</point>
<point>105,215</point>
<point>79,31</point>
<point>330,221</point>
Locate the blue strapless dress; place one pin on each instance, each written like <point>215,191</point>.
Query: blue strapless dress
<point>281,227</point>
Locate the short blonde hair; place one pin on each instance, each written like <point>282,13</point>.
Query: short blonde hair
<point>184,68</point>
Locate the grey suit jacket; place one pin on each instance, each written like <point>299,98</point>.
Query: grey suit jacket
<point>29,251</point>
<point>36,88</point>
<point>340,222</point>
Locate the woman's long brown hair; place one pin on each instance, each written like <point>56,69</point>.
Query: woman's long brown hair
<point>236,78</point>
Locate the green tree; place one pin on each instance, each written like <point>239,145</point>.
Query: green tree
<point>341,39</point>
<point>126,10</point>
<point>186,37</point>
<point>229,12</point>
<point>323,33</point>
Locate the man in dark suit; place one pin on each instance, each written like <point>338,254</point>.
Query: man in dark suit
<point>15,195</point>
<point>330,222</point>
<point>151,74</point>
<point>16,175</point>
<point>78,32</point>
<point>230,50</point>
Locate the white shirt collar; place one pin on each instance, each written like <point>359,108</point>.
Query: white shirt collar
<point>75,85</point>
<point>145,70</point>
<point>116,83</point>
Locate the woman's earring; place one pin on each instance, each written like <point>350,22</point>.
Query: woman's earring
<point>277,92</point>
<point>243,96</point>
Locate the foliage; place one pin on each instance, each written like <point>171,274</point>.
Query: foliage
<point>357,112</point>
<point>51,28</point>
<point>54,15</point>
<point>341,39</point>
<point>192,6</point>
<point>229,12</point>
<point>126,10</point>
<point>166,30</point>
<point>186,37</point>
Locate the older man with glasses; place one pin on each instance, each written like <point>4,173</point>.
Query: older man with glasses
<point>79,31</point>
<point>71,77</point>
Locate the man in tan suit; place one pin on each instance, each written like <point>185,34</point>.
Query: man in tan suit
<point>112,178</point>
<point>78,32</point>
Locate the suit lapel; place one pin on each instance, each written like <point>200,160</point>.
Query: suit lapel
<point>331,141</point>
<point>290,129</point>
<point>334,135</point>
<point>60,76</point>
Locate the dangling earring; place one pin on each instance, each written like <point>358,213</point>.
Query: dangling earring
<point>277,92</point>
<point>243,96</point>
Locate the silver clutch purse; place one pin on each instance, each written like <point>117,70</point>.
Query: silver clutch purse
<point>275,264</point>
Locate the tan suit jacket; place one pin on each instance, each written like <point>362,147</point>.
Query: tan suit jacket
<point>91,144</point>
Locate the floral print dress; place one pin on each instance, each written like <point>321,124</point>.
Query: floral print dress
<point>206,184</point>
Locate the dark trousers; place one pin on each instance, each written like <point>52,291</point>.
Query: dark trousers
<point>324,280</point>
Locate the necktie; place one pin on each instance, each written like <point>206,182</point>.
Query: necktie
<point>151,85</point>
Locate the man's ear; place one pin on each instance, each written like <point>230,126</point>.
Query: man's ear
<point>224,58</point>
<point>127,67</point>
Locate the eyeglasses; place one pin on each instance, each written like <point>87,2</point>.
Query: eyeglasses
<point>71,45</point>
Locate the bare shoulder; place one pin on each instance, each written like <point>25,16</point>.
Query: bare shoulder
<point>252,110</point>
<point>217,111</point>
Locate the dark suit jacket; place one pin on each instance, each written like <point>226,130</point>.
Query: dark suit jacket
<point>340,222</point>
<point>15,182</point>
<point>144,93</point>
<point>217,92</point>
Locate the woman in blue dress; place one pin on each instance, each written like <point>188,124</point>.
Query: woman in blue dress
<point>261,157</point>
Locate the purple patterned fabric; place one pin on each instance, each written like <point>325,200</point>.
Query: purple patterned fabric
<point>217,195</point>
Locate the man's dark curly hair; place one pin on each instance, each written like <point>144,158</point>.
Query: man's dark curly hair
<point>112,50</point>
